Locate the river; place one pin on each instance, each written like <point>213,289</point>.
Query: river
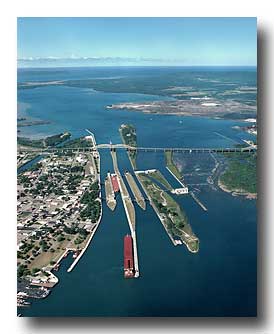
<point>218,281</point>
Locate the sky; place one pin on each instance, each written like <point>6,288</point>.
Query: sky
<point>117,41</point>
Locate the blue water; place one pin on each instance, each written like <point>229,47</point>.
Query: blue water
<point>218,281</point>
<point>30,163</point>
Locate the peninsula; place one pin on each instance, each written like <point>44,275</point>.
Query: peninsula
<point>239,176</point>
<point>128,135</point>
<point>44,142</point>
<point>193,107</point>
<point>170,214</point>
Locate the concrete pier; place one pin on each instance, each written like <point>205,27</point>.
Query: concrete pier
<point>110,195</point>
<point>135,190</point>
<point>135,254</point>
<point>198,201</point>
<point>129,209</point>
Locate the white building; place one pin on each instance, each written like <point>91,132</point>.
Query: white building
<point>180,191</point>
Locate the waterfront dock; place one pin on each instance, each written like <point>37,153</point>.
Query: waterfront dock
<point>135,254</point>
<point>86,246</point>
<point>196,199</point>
<point>181,183</point>
<point>135,190</point>
<point>129,209</point>
<point>96,167</point>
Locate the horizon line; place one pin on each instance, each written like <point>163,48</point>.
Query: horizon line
<point>91,66</point>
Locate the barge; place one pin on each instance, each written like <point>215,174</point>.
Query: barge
<point>128,257</point>
<point>115,183</point>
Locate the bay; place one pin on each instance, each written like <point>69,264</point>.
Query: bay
<point>218,281</point>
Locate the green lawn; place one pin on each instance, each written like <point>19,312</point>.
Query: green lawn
<point>158,176</point>
<point>129,137</point>
<point>241,173</point>
<point>175,221</point>
<point>171,165</point>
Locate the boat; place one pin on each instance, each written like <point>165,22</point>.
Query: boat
<point>115,183</point>
<point>56,267</point>
<point>45,293</point>
<point>65,255</point>
<point>128,257</point>
<point>76,253</point>
<point>22,294</point>
<point>22,302</point>
<point>110,194</point>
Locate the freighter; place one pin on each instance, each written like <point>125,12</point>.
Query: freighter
<point>115,183</point>
<point>128,257</point>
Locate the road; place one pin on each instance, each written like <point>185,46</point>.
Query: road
<point>247,149</point>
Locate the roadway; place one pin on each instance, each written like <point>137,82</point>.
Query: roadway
<point>248,149</point>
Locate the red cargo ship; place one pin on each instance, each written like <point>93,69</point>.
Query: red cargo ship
<point>128,257</point>
<point>115,183</point>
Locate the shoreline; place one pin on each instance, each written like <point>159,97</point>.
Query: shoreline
<point>101,212</point>
<point>175,177</point>
<point>173,240</point>
<point>184,114</point>
<point>155,210</point>
<point>236,192</point>
<point>184,111</point>
<point>87,244</point>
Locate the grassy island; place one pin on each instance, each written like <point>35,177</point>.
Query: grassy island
<point>170,213</point>
<point>128,134</point>
<point>158,176</point>
<point>240,174</point>
<point>171,165</point>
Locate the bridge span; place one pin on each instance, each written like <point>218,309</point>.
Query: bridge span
<point>114,147</point>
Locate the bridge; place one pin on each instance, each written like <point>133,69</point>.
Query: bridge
<point>114,147</point>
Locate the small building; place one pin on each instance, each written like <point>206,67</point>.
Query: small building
<point>180,191</point>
